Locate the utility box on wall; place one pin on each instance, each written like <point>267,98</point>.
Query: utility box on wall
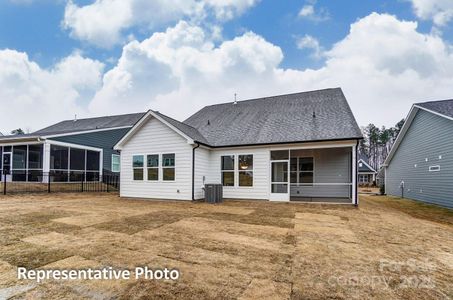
<point>213,193</point>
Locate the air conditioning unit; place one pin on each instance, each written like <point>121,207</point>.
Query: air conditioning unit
<point>213,193</point>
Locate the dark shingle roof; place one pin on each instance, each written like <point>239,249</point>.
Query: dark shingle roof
<point>444,107</point>
<point>308,116</point>
<point>185,128</point>
<point>69,126</point>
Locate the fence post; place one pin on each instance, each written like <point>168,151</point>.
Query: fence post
<point>108,183</point>
<point>81,185</point>
<point>4,183</point>
<point>48,182</point>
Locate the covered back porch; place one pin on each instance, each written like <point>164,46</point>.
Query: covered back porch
<point>322,174</point>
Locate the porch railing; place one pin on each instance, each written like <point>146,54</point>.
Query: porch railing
<point>75,182</point>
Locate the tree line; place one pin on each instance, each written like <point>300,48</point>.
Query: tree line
<point>377,142</point>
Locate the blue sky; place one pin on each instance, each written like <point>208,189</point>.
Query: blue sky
<point>289,37</point>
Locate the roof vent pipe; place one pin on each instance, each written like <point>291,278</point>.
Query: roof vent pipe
<point>75,117</point>
<point>235,99</point>
<point>314,114</point>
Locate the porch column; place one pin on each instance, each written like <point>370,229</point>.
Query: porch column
<point>354,175</point>
<point>46,161</point>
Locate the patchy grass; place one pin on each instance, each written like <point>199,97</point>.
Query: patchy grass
<point>415,209</point>
<point>235,250</point>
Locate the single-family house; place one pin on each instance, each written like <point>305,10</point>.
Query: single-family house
<point>420,164</point>
<point>71,150</point>
<point>300,147</point>
<point>367,174</point>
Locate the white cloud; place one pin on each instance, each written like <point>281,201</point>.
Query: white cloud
<point>309,12</point>
<point>312,43</point>
<point>439,11</point>
<point>32,97</point>
<point>103,22</point>
<point>383,65</point>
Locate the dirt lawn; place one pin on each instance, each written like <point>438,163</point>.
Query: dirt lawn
<point>385,249</point>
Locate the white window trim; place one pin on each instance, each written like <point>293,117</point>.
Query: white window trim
<point>236,171</point>
<point>158,167</point>
<point>167,167</point>
<point>252,170</point>
<point>143,167</point>
<point>229,171</point>
<point>111,167</point>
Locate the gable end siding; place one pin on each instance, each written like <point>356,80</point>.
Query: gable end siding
<point>103,139</point>
<point>428,137</point>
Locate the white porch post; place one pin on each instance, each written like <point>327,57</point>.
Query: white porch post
<point>46,161</point>
<point>354,175</point>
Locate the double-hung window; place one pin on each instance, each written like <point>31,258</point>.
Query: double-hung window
<point>168,167</point>
<point>227,170</point>
<point>245,170</point>
<point>153,167</point>
<point>137,165</point>
<point>116,162</point>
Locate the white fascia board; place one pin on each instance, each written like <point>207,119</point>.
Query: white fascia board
<point>407,123</point>
<point>434,112</point>
<point>138,125</point>
<point>84,131</point>
<point>78,146</point>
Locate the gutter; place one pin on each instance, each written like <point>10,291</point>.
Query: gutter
<point>193,171</point>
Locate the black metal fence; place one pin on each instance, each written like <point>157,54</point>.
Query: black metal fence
<point>55,182</point>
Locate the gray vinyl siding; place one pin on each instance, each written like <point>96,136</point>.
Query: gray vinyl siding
<point>330,166</point>
<point>429,137</point>
<point>102,139</point>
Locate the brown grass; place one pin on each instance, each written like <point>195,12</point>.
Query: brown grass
<point>236,250</point>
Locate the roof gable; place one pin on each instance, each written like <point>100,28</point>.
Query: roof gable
<point>365,167</point>
<point>443,108</point>
<point>182,129</point>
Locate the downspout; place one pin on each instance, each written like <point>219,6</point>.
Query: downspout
<point>193,171</point>
<point>356,169</point>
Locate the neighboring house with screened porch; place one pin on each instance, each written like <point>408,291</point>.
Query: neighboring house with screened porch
<point>296,147</point>
<point>367,174</point>
<point>72,150</point>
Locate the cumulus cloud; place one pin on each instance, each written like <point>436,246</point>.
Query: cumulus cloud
<point>103,22</point>
<point>439,11</point>
<point>33,97</point>
<point>310,12</point>
<point>383,65</point>
<point>311,43</point>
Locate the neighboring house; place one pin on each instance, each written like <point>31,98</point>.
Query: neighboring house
<point>367,174</point>
<point>292,147</point>
<point>420,164</point>
<point>71,150</point>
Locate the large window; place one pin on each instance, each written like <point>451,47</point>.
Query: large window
<point>74,164</point>
<point>137,166</point>
<point>168,167</point>
<point>116,163</point>
<point>246,170</point>
<point>153,167</point>
<point>227,170</point>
